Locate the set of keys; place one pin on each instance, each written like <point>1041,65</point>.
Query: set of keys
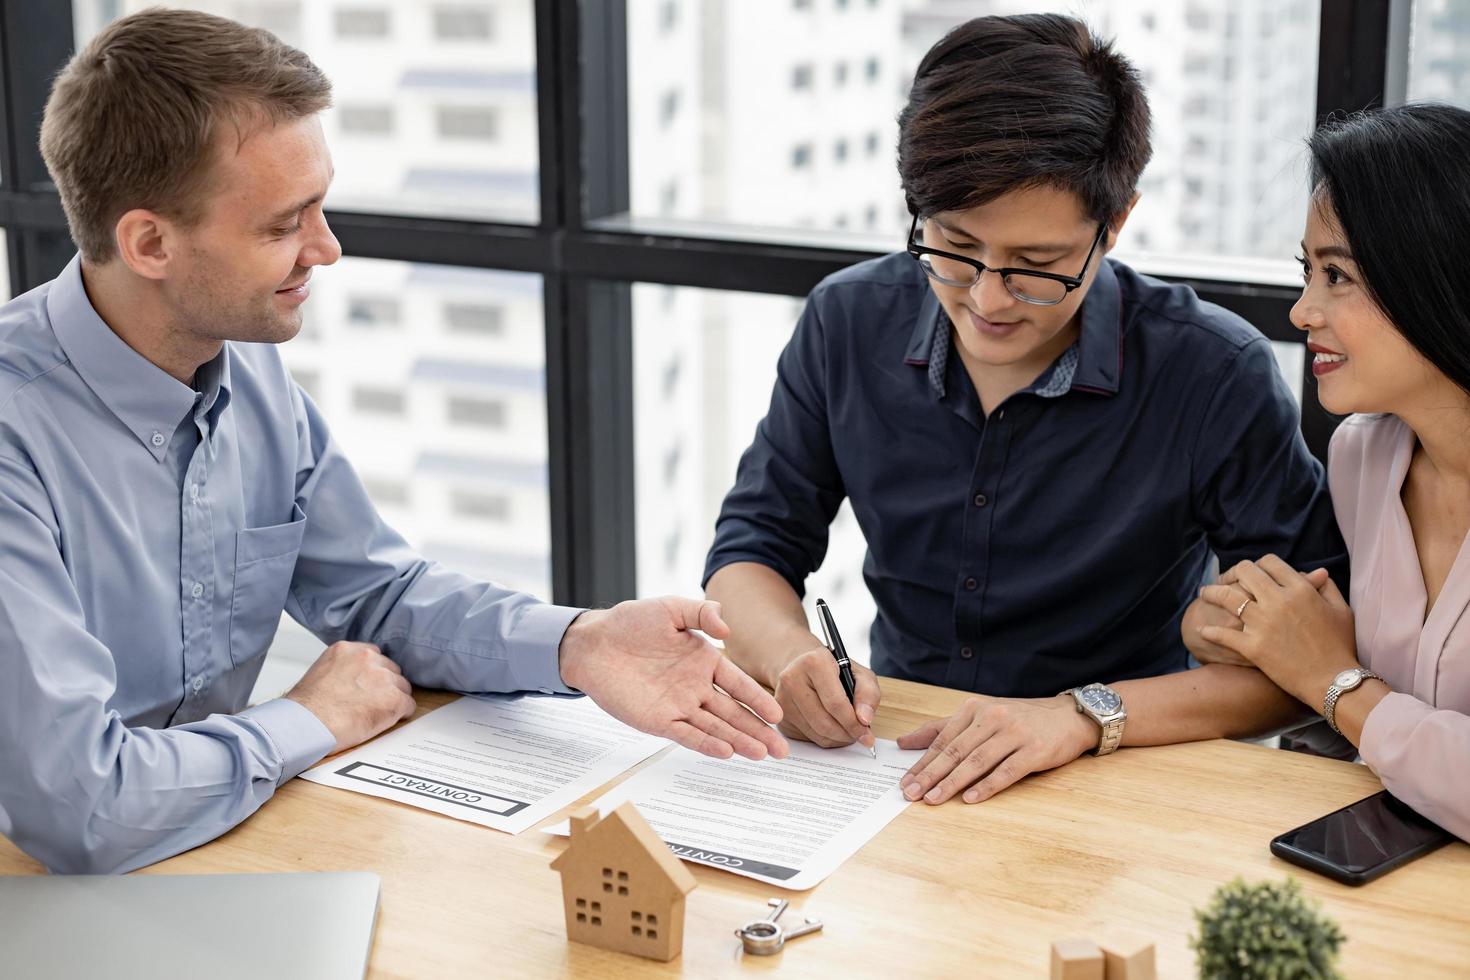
<point>767,937</point>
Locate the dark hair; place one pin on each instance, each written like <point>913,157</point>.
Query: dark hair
<point>1396,184</point>
<point>1004,103</point>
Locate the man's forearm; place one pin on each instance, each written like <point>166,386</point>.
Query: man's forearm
<point>82,801</point>
<point>1213,701</point>
<point>768,626</point>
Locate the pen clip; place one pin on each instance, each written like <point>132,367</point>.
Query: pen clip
<point>822,615</point>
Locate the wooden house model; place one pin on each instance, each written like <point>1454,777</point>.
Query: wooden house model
<point>621,886</point>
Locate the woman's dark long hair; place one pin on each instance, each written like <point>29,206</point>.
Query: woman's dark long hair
<point>1398,183</point>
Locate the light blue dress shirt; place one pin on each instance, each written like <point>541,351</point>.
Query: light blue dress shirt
<point>150,536</point>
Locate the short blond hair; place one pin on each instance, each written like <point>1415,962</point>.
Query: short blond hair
<point>132,119</point>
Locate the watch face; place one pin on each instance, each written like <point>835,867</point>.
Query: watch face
<point>1347,678</point>
<point>1103,700</point>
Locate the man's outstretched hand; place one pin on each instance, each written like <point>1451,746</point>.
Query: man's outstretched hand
<point>642,662</point>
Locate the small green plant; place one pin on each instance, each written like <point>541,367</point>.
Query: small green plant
<point>1266,931</point>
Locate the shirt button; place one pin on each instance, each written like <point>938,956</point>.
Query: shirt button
<point>193,491</point>
<point>198,684</point>
<point>157,439</point>
<point>971,584</point>
<point>197,590</point>
<point>981,500</point>
<point>966,653</point>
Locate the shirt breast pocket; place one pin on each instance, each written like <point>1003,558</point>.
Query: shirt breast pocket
<point>265,559</point>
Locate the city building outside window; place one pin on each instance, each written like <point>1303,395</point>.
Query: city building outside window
<point>382,401</point>
<point>481,413</point>
<point>1439,52</point>
<point>374,311</point>
<point>476,319</point>
<point>468,122</point>
<point>374,120</point>
<point>463,23</point>
<point>480,505</point>
<point>361,22</point>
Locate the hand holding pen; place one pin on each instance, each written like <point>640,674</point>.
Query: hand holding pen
<point>815,706</point>
<point>844,668</point>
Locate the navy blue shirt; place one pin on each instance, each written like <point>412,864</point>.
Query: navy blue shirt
<point>1058,541</point>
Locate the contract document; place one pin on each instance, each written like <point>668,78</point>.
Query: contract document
<point>789,822</point>
<point>503,762</point>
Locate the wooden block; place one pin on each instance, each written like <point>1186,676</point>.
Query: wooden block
<point>1129,959</point>
<point>1076,959</point>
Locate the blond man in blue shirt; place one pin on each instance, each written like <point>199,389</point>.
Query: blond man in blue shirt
<point>166,490</point>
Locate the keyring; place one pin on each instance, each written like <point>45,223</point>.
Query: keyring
<point>766,937</point>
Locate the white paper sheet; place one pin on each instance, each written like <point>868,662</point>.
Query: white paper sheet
<point>788,822</point>
<point>504,762</point>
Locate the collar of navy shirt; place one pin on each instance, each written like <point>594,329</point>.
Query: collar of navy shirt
<point>1100,341</point>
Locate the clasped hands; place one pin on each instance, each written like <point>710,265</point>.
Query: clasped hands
<point>1294,627</point>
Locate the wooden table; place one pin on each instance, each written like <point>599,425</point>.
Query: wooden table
<point>1132,841</point>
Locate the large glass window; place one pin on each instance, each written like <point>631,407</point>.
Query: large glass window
<point>1439,52</point>
<point>789,110</point>
<point>446,428</point>
<point>435,101</point>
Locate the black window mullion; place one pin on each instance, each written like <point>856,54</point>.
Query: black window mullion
<point>707,263</point>
<point>606,437</point>
<point>563,406</point>
<point>35,41</point>
<point>597,185</point>
<point>588,323</point>
<point>484,245</point>
<point>1352,55</point>
<point>552,27</point>
<point>605,109</point>
<point>1353,58</point>
<point>565,476</point>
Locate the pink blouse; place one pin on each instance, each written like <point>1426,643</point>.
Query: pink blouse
<point>1418,738</point>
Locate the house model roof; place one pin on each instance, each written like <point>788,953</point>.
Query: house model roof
<point>625,822</point>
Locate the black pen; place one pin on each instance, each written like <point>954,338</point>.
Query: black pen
<point>844,666</point>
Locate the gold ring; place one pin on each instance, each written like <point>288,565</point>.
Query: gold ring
<point>1241,608</point>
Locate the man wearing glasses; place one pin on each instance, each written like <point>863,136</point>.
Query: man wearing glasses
<point>1043,448</point>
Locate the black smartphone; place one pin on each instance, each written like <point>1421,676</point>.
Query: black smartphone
<point>1361,841</point>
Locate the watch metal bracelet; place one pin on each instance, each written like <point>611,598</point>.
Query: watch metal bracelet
<point>1329,703</point>
<point>1112,736</point>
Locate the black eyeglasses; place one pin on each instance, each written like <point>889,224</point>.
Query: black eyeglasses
<point>1027,285</point>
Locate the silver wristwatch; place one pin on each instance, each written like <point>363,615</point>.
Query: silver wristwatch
<point>1348,680</point>
<point>1103,705</point>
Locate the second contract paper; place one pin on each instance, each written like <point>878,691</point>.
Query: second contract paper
<point>789,822</point>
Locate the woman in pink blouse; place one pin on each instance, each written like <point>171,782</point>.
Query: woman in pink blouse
<point>1386,308</point>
